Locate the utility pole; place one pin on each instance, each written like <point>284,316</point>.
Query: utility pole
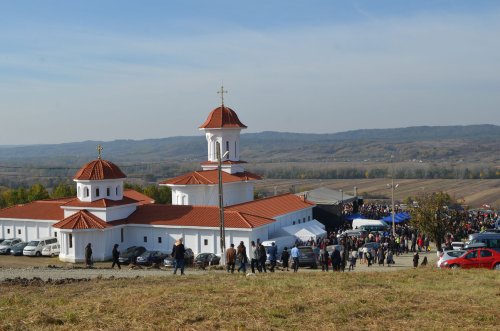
<point>221,208</point>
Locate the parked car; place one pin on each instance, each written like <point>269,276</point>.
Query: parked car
<point>307,258</point>
<point>18,248</point>
<point>489,239</point>
<point>188,258</point>
<point>34,247</point>
<point>476,258</point>
<point>130,254</point>
<point>203,260</point>
<point>151,257</point>
<point>51,250</point>
<point>354,233</point>
<point>7,244</point>
<point>448,255</point>
<point>2,240</point>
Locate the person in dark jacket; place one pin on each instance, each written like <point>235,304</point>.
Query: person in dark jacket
<point>88,255</point>
<point>230,258</point>
<point>262,257</point>
<point>336,259</point>
<point>178,255</point>
<point>285,257</point>
<point>116,255</point>
<point>273,250</point>
<point>241,253</point>
<point>415,259</point>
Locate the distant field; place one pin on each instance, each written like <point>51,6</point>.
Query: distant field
<point>428,298</point>
<point>470,191</point>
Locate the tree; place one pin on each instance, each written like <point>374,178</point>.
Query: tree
<point>63,190</point>
<point>432,215</point>
<point>161,194</point>
<point>37,192</point>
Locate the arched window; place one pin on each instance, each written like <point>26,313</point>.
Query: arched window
<point>118,190</point>
<point>86,192</point>
<point>227,148</point>
<point>108,191</point>
<point>97,192</point>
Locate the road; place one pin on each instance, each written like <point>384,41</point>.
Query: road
<point>45,268</point>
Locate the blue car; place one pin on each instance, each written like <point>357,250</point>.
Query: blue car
<point>151,257</point>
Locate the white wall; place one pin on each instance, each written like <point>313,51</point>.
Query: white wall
<point>208,195</point>
<point>298,217</point>
<point>102,242</point>
<point>106,214</point>
<point>30,229</point>
<point>102,185</point>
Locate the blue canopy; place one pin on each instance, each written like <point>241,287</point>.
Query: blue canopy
<point>354,216</point>
<point>398,218</point>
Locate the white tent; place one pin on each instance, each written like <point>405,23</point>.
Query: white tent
<point>304,231</point>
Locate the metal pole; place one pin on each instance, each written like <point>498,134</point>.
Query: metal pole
<point>392,198</point>
<point>221,208</point>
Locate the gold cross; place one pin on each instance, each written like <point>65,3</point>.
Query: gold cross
<point>222,94</point>
<point>99,150</point>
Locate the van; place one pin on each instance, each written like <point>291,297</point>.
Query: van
<point>51,250</point>
<point>281,243</point>
<point>35,247</point>
<point>361,222</point>
<point>488,239</point>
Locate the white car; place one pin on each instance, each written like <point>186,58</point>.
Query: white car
<point>448,255</point>
<point>51,250</point>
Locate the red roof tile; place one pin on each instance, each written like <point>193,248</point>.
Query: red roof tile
<point>82,220</point>
<point>209,177</point>
<point>196,216</point>
<point>273,206</point>
<point>99,170</point>
<point>101,203</point>
<point>222,117</point>
<point>36,210</point>
<point>141,198</point>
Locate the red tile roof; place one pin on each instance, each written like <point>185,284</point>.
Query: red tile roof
<point>82,220</point>
<point>141,198</point>
<point>36,210</point>
<point>209,177</point>
<point>222,117</point>
<point>102,203</point>
<point>273,206</point>
<point>196,216</point>
<point>99,170</point>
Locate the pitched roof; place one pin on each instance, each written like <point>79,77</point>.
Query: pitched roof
<point>210,177</point>
<point>36,210</point>
<point>197,216</point>
<point>141,198</point>
<point>273,206</point>
<point>101,203</point>
<point>99,170</point>
<point>82,220</point>
<point>222,117</point>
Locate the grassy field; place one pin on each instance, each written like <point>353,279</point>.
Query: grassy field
<point>424,299</point>
<point>473,192</point>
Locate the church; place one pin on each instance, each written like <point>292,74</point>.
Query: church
<point>103,213</point>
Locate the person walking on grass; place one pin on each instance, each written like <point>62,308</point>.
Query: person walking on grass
<point>241,253</point>
<point>116,255</point>
<point>178,255</point>
<point>262,257</point>
<point>324,258</point>
<point>230,258</point>
<point>295,256</point>
<point>285,257</point>
<point>273,250</point>
<point>254,257</point>
<point>415,259</point>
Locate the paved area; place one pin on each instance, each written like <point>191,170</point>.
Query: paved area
<point>52,268</point>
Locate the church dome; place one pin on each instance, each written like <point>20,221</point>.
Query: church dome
<point>222,117</point>
<point>99,170</point>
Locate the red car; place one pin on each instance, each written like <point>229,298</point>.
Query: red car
<point>476,258</point>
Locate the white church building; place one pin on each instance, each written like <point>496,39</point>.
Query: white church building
<point>104,214</point>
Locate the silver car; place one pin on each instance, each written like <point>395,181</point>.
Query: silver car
<point>448,255</point>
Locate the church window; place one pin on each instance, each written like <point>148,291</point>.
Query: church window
<point>205,242</point>
<point>97,192</point>
<point>70,240</point>
<point>227,148</point>
<point>55,234</point>
<point>108,191</point>
<point>308,218</point>
<point>145,239</point>
<point>118,190</point>
<point>8,231</point>
<point>18,231</point>
<point>121,234</point>
<point>235,155</point>
<point>86,192</point>
<point>293,223</point>
<point>304,220</point>
<point>159,240</point>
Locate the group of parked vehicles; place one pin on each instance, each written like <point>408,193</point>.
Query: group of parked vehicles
<point>482,250</point>
<point>39,247</point>
<point>140,256</point>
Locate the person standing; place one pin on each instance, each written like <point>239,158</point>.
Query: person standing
<point>273,251</point>
<point>262,257</point>
<point>285,257</point>
<point>88,255</point>
<point>241,252</point>
<point>230,258</point>
<point>116,255</point>
<point>178,255</point>
<point>324,258</point>
<point>336,259</point>
<point>254,257</point>
<point>415,259</point>
<point>295,256</point>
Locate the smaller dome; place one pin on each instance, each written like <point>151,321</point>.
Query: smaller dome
<point>99,170</point>
<point>222,117</point>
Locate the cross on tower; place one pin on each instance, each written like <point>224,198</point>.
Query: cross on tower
<point>221,92</point>
<point>99,151</point>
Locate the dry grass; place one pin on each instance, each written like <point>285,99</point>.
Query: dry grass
<point>428,298</point>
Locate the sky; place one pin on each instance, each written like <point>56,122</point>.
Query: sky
<point>105,70</point>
